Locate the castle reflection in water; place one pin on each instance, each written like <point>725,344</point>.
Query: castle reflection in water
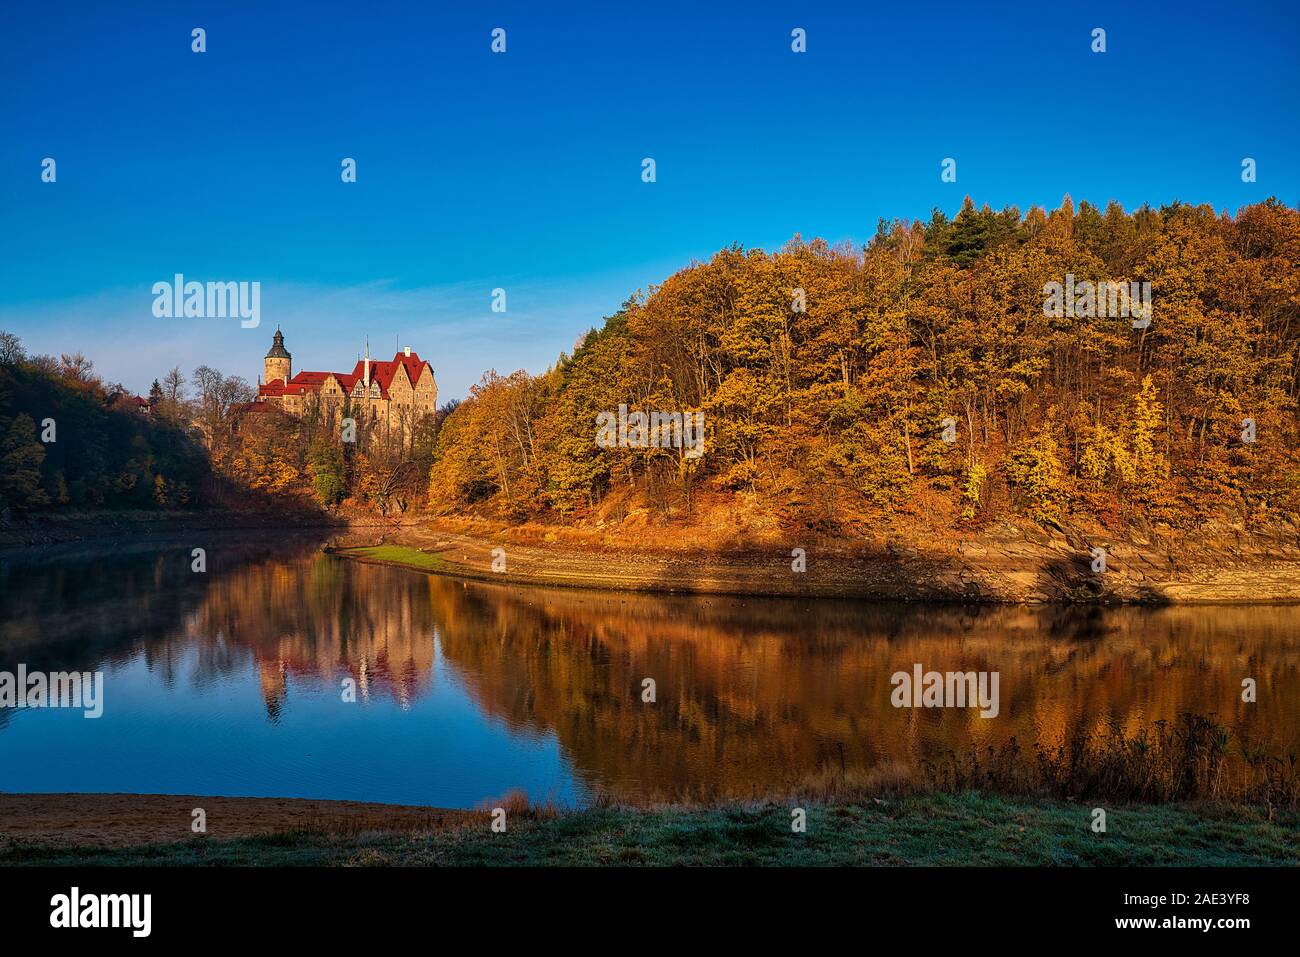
<point>752,695</point>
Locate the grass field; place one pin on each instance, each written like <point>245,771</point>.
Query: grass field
<point>403,555</point>
<point>964,829</point>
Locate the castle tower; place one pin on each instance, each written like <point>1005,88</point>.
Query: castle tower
<point>278,363</point>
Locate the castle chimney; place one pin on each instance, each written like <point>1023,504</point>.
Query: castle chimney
<point>367,375</point>
<point>408,352</point>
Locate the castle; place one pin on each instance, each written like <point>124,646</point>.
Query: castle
<point>395,394</point>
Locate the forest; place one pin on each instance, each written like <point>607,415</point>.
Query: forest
<point>69,441</point>
<point>915,378</point>
<point>920,377</point>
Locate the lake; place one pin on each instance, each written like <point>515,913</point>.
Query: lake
<point>232,682</point>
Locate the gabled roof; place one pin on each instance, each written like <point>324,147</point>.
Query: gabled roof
<point>381,372</point>
<point>358,375</point>
<point>384,371</point>
<point>415,366</point>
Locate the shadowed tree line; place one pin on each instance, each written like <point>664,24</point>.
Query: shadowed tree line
<point>826,373</point>
<point>69,440</point>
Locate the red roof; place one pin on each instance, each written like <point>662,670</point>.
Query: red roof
<point>278,388</point>
<point>359,372</point>
<point>259,407</point>
<point>300,384</point>
<point>380,372</point>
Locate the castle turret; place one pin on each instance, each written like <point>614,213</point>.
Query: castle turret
<point>278,364</point>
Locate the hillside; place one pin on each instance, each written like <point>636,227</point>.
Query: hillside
<point>923,381</point>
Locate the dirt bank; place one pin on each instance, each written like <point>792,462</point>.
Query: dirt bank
<point>128,820</point>
<point>1001,564</point>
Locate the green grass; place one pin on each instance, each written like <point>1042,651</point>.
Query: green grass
<point>938,829</point>
<point>403,555</point>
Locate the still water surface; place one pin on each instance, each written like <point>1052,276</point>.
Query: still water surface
<point>229,683</point>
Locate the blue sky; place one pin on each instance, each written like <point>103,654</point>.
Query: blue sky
<point>523,170</point>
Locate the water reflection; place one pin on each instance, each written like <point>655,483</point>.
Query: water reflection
<point>231,682</point>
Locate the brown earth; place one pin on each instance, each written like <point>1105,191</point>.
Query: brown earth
<point>1004,563</point>
<point>126,820</point>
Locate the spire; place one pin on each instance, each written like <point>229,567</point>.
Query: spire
<point>278,351</point>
